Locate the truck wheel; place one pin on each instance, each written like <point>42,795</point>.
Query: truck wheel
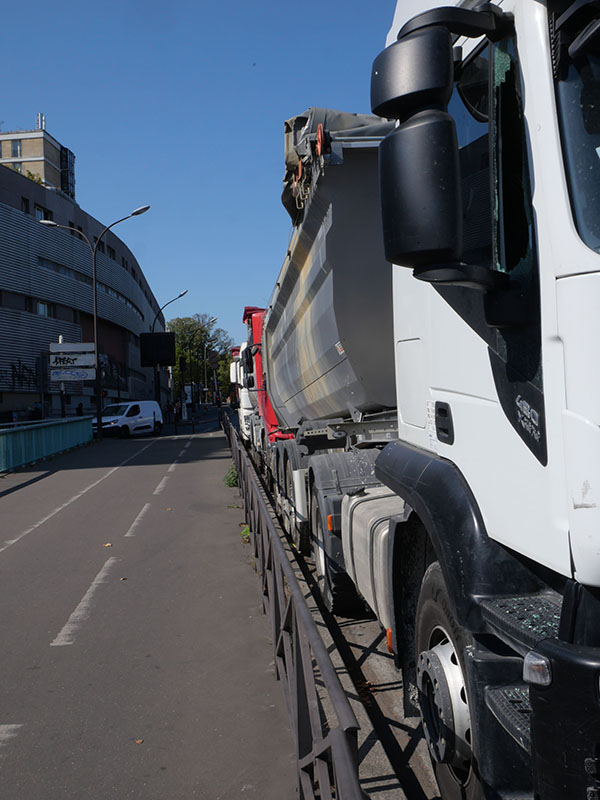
<point>157,428</point>
<point>337,590</point>
<point>124,431</point>
<point>295,529</point>
<point>443,699</point>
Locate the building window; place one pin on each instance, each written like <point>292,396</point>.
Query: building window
<point>15,148</point>
<point>25,205</point>
<point>18,167</point>
<point>42,213</point>
<point>43,309</point>
<point>13,300</point>
<point>111,252</point>
<point>72,225</point>
<point>65,313</point>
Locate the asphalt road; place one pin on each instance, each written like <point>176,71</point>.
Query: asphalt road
<point>136,661</point>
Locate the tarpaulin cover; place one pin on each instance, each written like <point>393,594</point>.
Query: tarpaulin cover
<point>300,134</point>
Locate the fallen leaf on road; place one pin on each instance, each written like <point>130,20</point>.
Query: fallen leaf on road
<point>139,741</point>
<point>122,579</point>
<point>107,544</point>
<point>169,509</point>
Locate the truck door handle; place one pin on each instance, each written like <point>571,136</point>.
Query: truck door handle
<point>444,426</point>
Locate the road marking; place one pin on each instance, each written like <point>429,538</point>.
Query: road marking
<point>161,486</point>
<point>137,520</point>
<point>181,455</point>
<point>187,445</point>
<point>8,732</point>
<point>172,467</point>
<point>9,542</point>
<point>82,612</point>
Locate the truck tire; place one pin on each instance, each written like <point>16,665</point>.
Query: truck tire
<point>443,699</point>
<point>337,590</point>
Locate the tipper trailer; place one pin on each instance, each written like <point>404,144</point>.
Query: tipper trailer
<point>438,383</point>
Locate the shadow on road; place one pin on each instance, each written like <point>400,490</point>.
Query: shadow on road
<point>146,449</point>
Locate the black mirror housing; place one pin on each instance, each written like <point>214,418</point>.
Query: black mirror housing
<point>416,72</point>
<point>420,191</point>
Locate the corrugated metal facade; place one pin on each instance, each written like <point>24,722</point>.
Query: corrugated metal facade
<point>24,334</point>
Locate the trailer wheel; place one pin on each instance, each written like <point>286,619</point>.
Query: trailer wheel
<point>443,699</point>
<point>337,590</point>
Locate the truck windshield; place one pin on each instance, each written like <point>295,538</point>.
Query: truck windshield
<point>578,94</point>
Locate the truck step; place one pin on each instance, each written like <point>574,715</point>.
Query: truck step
<point>510,705</point>
<point>523,620</point>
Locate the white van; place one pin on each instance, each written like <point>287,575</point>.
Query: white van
<point>134,416</point>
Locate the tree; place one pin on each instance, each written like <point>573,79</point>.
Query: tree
<point>194,337</point>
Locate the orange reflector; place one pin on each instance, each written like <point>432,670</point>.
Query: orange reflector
<point>390,644</point>
<point>330,522</point>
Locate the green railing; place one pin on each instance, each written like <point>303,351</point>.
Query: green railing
<point>27,442</point>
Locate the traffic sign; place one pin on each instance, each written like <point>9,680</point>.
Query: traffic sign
<point>71,347</point>
<point>72,374</point>
<point>66,360</point>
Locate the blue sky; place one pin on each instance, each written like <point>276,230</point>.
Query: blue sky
<point>182,106</point>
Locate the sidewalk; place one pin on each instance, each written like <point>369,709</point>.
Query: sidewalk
<point>254,710</point>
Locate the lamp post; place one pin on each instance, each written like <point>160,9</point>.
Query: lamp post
<point>94,248</point>
<point>157,366</point>
<point>211,321</point>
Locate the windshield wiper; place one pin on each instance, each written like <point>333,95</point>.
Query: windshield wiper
<point>573,29</point>
<point>583,41</point>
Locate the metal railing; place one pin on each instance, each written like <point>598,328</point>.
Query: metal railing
<point>22,444</point>
<point>323,722</point>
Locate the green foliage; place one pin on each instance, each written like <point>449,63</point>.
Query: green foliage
<point>33,177</point>
<point>245,534</point>
<point>231,477</point>
<point>194,337</point>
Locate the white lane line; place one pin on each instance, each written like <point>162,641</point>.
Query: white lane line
<point>8,732</point>
<point>181,455</point>
<point>187,445</point>
<point>82,612</point>
<point>137,520</point>
<point>161,486</point>
<point>9,542</point>
<point>172,467</point>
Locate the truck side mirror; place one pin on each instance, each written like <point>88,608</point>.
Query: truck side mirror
<point>419,170</point>
<point>247,360</point>
<point>419,166</point>
<point>414,73</point>
<point>420,191</point>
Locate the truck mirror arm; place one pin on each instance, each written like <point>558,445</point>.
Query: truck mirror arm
<point>486,20</point>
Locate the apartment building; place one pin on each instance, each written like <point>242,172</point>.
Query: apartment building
<point>38,156</point>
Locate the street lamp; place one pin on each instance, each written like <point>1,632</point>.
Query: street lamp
<point>157,366</point>
<point>185,291</point>
<point>211,321</point>
<point>94,248</point>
